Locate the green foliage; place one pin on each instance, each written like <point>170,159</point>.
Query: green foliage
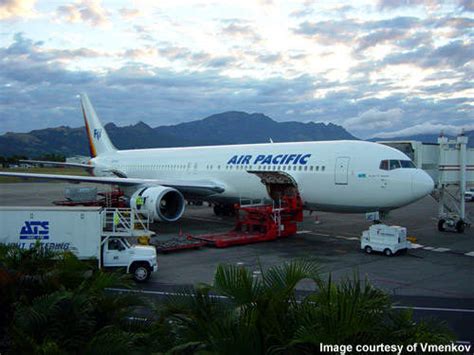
<point>263,315</point>
<point>51,157</point>
<point>52,303</point>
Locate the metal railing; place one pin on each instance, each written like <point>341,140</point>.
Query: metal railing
<point>125,222</point>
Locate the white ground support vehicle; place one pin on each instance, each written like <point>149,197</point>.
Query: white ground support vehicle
<point>89,232</point>
<point>386,239</point>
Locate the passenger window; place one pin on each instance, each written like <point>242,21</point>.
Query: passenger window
<point>384,165</point>
<point>323,168</point>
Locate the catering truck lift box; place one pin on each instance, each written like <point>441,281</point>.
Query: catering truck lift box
<point>89,232</point>
<point>387,239</point>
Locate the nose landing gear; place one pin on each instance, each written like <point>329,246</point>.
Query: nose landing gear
<point>453,223</point>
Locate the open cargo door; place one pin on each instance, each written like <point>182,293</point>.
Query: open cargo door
<point>278,183</point>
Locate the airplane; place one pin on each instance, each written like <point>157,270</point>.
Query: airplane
<point>337,176</point>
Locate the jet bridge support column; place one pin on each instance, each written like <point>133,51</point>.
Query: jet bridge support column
<point>452,168</point>
<point>462,142</point>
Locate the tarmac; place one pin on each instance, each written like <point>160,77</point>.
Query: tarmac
<point>436,277</point>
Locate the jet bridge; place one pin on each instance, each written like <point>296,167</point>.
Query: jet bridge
<point>451,165</point>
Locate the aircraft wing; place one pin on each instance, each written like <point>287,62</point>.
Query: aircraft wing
<point>58,163</point>
<point>187,187</point>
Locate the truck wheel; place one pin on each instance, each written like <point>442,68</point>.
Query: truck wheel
<point>460,226</point>
<point>388,252</point>
<point>441,225</point>
<point>141,272</point>
<point>368,249</point>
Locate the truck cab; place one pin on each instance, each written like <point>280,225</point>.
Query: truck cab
<point>139,260</point>
<point>386,239</point>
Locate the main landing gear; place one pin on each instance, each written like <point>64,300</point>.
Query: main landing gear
<point>224,209</point>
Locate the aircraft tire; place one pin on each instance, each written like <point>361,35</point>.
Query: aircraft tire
<point>460,226</point>
<point>441,225</point>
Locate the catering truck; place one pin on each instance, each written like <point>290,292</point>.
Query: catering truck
<point>89,232</point>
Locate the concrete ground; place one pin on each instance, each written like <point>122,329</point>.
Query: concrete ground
<point>439,272</point>
<point>334,243</point>
<point>440,267</point>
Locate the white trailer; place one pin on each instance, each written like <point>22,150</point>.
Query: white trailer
<point>386,239</point>
<point>89,232</point>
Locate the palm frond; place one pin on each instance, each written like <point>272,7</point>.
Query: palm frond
<point>284,278</point>
<point>236,283</point>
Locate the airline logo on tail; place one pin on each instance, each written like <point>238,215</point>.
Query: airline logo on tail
<point>91,145</point>
<point>97,133</point>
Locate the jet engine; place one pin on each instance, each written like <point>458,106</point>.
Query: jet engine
<point>162,203</point>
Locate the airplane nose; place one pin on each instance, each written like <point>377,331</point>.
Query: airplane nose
<point>421,184</point>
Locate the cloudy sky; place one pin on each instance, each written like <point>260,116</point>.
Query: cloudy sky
<point>386,67</point>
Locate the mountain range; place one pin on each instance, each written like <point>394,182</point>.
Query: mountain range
<point>231,127</point>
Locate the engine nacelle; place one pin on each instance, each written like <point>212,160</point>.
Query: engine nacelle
<point>162,203</point>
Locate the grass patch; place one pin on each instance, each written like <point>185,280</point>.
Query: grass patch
<point>36,170</point>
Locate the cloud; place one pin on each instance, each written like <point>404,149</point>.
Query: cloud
<point>269,58</point>
<point>240,29</point>
<point>329,32</point>
<point>372,71</point>
<point>11,9</point>
<point>466,5</point>
<point>302,12</point>
<point>380,37</point>
<point>86,11</point>
<point>394,4</point>
<point>454,54</point>
<point>173,52</point>
<point>426,128</point>
<point>129,14</point>
<point>374,119</point>
<point>35,52</point>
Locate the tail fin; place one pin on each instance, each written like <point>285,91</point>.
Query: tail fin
<point>99,141</point>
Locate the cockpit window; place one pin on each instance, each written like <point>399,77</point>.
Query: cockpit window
<point>407,164</point>
<point>396,164</point>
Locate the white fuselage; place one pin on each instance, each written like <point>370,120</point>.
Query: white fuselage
<point>341,176</point>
